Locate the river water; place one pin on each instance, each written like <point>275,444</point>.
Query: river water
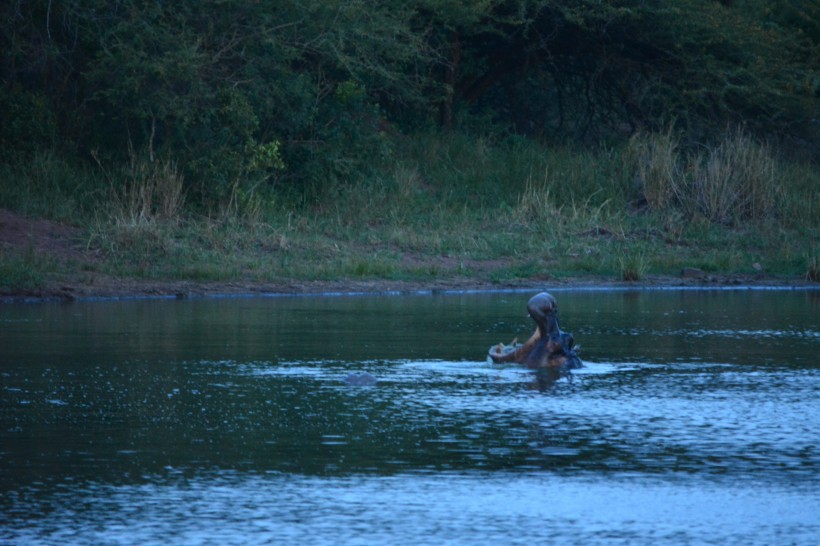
<point>229,421</point>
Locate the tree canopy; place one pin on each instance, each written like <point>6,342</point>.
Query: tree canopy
<point>297,92</point>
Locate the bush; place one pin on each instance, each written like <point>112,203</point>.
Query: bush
<point>26,122</point>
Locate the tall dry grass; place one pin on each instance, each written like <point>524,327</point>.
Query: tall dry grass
<point>732,182</point>
<point>144,191</point>
<point>656,160</point>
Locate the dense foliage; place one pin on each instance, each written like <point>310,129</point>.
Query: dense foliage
<point>289,95</point>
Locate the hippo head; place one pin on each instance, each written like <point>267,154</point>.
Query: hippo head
<point>548,347</point>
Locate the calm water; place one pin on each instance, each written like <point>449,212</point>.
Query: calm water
<point>695,421</point>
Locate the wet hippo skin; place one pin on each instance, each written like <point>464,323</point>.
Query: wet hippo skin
<point>548,347</point>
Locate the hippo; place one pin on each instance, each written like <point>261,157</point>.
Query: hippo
<point>548,347</point>
<point>360,379</point>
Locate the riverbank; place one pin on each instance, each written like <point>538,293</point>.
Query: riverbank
<point>70,270</point>
<point>129,289</point>
<point>447,213</point>
<point>44,260</point>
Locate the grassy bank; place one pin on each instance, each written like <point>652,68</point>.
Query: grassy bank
<point>438,207</point>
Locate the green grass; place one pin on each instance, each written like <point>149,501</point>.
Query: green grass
<point>25,270</point>
<point>50,186</point>
<point>447,206</point>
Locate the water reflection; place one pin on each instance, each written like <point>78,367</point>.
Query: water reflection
<point>149,421</point>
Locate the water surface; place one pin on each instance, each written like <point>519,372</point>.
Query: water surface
<point>230,422</point>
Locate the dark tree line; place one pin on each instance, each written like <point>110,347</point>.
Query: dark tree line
<point>300,92</point>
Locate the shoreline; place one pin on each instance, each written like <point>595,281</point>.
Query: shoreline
<point>65,270</point>
<point>137,290</point>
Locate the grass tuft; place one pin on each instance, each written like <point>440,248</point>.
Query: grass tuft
<point>144,191</point>
<point>735,181</point>
<point>633,267</point>
<point>655,158</point>
<point>813,269</point>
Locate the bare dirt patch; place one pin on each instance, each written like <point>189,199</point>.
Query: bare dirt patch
<point>59,241</point>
